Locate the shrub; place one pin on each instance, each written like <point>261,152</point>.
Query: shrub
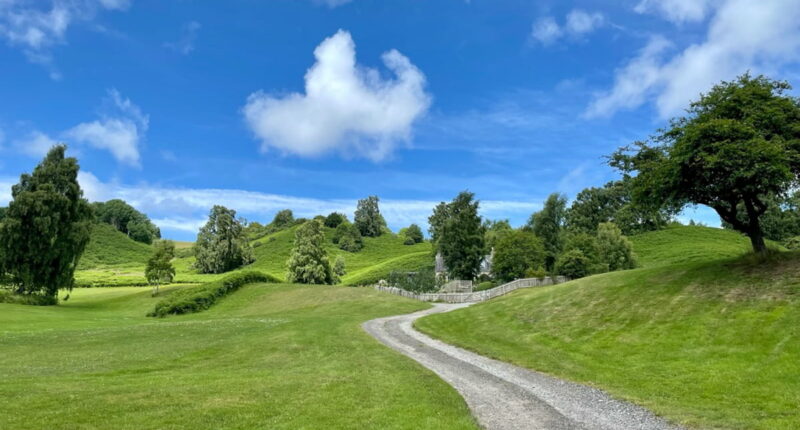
<point>484,286</point>
<point>27,299</point>
<point>422,281</point>
<point>413,235</point>
<point>334,219</point>
<point>348,237</point>
<point>409,241</point>
<point>613,248</point>
<point>792,243</point>
<point>539,272</point>
<point>515,253</point>
<point>197,299</point>
<point>572,264</point>
<point>339,267</point>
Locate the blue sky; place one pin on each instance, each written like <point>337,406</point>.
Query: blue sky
<point>311,104</point>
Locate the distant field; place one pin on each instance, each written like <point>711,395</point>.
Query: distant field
<point>710,343</point>
<point>269,356</point>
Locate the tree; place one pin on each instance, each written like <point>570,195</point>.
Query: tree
<point>461,238</point>
<point>46,227</point>
<point>737,145</point>
<point>339,269</point>
<point>413,235</point>
<point>334,219</point>
<point>308,262</point>
<point>587,244</point>
<point>126,219</point>
<point>780,221</point>
<point>495,230</point>
<point>436,223</point>
<point>348,237</point>
<point>614,249</point>
<point>573,264</point>
<point>547,225</point>
<point>368,218</point>
<point>159,268</point>
<point>221,243</point>
<point>3,213</point>
<point>283,219</point>
<point>515,253</point>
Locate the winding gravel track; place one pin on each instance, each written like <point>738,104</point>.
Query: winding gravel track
<point>504,396</point>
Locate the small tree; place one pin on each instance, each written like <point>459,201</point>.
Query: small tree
<point>348,237</point>
<point>339,269</point>
<point>613,248</point>
<point>221,243</point>
<point>413,235</point>
<point>282,220</point>
<point>461,237</point>
<point>308,262</point>
<point>159,268</point>
<point>46,227</point>
<point>368,218</point>
<point>515,253</point>
<point>547,225</point>
<point>334,219</point>
<point>572,264</point>
<point>738,144</point>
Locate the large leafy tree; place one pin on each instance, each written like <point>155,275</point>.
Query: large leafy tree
<point>614,249</point>
<point>495,230</point>
<point>413,234</point>
<point>368,218</point>
<point>159,269</point>
<point>221,243</point>
<point>781,220</point>
<point>737,145</point>
<point>127,219</point>
<point>515,252</point>
<point>460,238</point>
<point>308,262</point>
<point>46,227</point>
<point>547,224</point>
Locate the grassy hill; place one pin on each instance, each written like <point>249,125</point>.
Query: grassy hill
<point>268,356</point>
<point>701,335</point>
<point>114,259</point>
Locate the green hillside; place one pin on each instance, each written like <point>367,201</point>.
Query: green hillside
<point>113,259</point>
<point>709,343</point>
<point>269,356</point>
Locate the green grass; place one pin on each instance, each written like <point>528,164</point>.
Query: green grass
<point>707,344</point>
<point>680,244</point>
<point>112,258</point>
<point>269,356</point>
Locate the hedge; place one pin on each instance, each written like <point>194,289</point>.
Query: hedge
<point>197,299</point>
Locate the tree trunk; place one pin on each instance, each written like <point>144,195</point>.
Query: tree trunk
<point>757,240</point>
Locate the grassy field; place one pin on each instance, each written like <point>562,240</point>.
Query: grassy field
<point>269,356</point>
<point>713,343</point>
<point>112,259</point>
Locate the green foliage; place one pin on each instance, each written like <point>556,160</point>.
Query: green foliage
<point>334,219</point>
<point>614,249</point>
<point>368,218</point>
<point>126,219</point>
<point>200,298</point>
<point>515,253</point>
<point>436,222</point>
<point>613,203</point>
<point>412,262</point>
<point>485,285</point>
<point>221,243</point>
<point>547,224</point>
<point>792,243</point>
<point>348,237</point>
<point>421,281</point>
<point>413,235</point>
<point>339,268</point>
<point>46,228</point>
<point>538,272</point>
<point>573,264</point>
<point>738,144</point>
<point>780,221</point>
<point>27,299</point>
<point>459,235</point>
<point>308,262</point>
<point>159,268</point>
<point>495,230</point>
<point>283,219</point>
<point>3,212</point>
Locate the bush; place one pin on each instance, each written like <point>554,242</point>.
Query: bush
<point>422,281</point>
<point>792,243</point>
<point>409,241</point>
<point>348,237</point>
<point>536,273</point>
<point>334,219</point>
<point>488,285</point>
<point>572,264</point>
<point>613,248</point>
<point>196,299</point>
<point>27,299</point>
<point>413,235</point>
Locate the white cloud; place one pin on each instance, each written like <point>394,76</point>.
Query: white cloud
<point>578,22</point>
<point>185,45</point>
<point>743,35</point>
<point>120,134</point>
<point>677,11</point>
<point>35,144</point>
<point>345,107</point>
<point>36,29</point>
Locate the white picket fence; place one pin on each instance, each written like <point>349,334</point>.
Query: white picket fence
<point>477,296</point>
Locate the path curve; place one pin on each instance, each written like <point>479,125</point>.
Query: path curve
<point>504,396</point>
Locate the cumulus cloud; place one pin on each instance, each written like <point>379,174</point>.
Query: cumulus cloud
<point>119,133</point>
<point>742,35</point>
<point>36,27</point>
<point>35,144</point>
<point>185,45</point>
<point>345,107</point>
<point>577,23</point>
<point>677,11</point>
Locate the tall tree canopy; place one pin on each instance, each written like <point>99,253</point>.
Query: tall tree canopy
<point>127,219</point>
<point>368,218</point>
<point>547,225</point>
<point>459,235</point>
<point>221,243</point>
<point>515,253</point>
<point>737,145</point>
<point>46,227</point>
<point>308,262</point>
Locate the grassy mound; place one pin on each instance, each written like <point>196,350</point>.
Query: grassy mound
<point>679,244</point>
<point>111,258</point>
<point>709,344</point>
<point>270,356</point>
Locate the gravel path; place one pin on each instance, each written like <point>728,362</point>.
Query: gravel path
<point>504,396</point>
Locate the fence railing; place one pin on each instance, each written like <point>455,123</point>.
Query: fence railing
<point>477,296</point>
